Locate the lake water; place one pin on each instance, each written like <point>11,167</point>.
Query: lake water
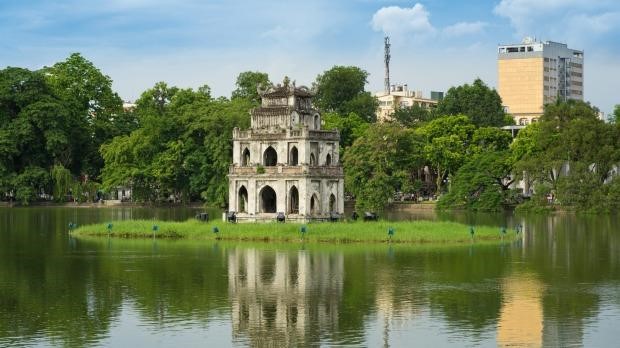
<point>557,286</point>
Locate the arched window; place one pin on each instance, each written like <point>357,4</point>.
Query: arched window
<point>312,160</point>
<point>522,121</point>
<point>270,157</point>
<point>328,160</point>
<point>534,120</point>
<point>317,122</point>
<point>332,203</point>
<point>242,200</point>
<point>267,200</point>
<point>293,201</point>
<point>245,157</point>
<point>293,156</point>
<point>314,205</point>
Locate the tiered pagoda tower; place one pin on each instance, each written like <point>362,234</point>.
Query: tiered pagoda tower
<point>285,163</point>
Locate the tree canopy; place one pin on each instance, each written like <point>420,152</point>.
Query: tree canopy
<point>247,83</point>
<point>480,103</point>
<point>341,90</point>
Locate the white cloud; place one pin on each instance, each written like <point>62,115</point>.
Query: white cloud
<point>529,15</point>
<point>599,24</point>
<point>394,20</point>
<point>464,28</point>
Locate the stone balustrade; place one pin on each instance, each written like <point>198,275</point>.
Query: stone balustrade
<point>287,170</point>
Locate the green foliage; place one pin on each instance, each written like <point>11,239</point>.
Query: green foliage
<point>247,83</point>
<point>571,153</point>
<point>379,163</point>
<point>482,183</point>
<point>413,116</point>
<point>616,117</point>
<point>406,231</point>
<point>63,181</point>
<point>29,183</point>
<point>181,149</point>
<point>351,127</point>
<point>482,104</point>
<point>446,143</point>
<point>341,90</point>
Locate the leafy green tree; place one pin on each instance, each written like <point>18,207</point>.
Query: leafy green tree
<point>490,139</point>
<point>379,163</point>
<point>341,89</point>
<point>350,126</point>
<point>617,114</point>
<point>482,104</point>
<point>413,116</point>
<point>482,183</point>
<point>247,83</point>
<point>569,145</point>
<point>446,143</point>
<point>63,182</point>
<point>29,183</point>
<point>93,106</point>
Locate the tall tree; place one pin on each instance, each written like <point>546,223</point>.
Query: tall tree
<point>341,89</point>
<point>94,107</point>
<point>247,84</point>
<point>446,143</point>
<point>379,163</point>
<point>480,103</point>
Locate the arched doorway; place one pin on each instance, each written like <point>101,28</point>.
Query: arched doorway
<point>328,160</point>
<point>312,160</point>
<point>270,157</point>
<point>293,157</point>
<point>242,200</point>
<point>267,200</point>
<point>293,201</point>
<point>245,157</point>
<point>314,205</point>
<point>317,122</point>
<point>332,203</point>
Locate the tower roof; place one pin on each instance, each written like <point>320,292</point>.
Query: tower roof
<point>286,89</point>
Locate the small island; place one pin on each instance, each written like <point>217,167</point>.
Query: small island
<point>415,232</point>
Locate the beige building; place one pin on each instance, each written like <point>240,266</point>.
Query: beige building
<point>400,96</point>
<point>285,163</point>
<point>532,74</point>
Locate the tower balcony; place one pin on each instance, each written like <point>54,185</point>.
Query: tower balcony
<point>285,133</point>
<point>285,170</point>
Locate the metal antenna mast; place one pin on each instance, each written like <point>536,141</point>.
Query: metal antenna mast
<point>387,65</point>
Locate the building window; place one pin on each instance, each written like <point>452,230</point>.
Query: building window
<point>332,203</point>
<point>293,156</point>
<point>270,157</point>
<point>328,160</point>
<point>242,200</point>
<point>314,205</point>
<point>522,121</point>
<point>267,200</point>
<point>245,157</point>
<point>312,160</point>
<point>293,201</point>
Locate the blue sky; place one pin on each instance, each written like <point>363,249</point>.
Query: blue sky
<point>435,44</point>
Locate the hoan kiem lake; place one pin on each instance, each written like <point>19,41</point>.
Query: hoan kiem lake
<point>557,285</point>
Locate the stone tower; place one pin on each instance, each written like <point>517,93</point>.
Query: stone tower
<point>285,162</point>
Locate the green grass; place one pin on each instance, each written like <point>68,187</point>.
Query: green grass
<point>342,232</point>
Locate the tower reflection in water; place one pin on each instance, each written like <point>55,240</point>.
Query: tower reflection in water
<point>284,298</point>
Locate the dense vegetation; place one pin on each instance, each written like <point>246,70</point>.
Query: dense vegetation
<point>347,232</point>
<point>64,134</point>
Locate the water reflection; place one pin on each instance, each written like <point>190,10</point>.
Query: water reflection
<point>283,298</point>
<point>558,284</point>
